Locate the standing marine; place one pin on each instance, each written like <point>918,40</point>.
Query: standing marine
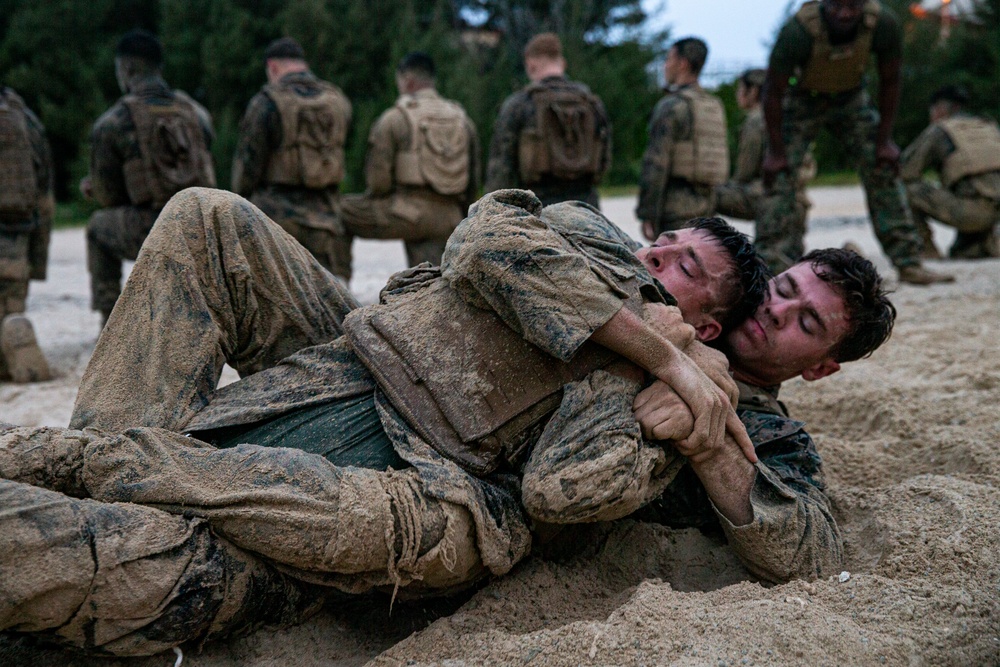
<point>151,144</point>
<point>552,137</point>
<point>422,167</point>
<point>26,209</point>
<point>290,155</point>
<point>688,152</point>
<point>742,196</point>
<point>816,79</point>
<point>965,151</point>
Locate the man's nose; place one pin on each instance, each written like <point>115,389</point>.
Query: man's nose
<point>779,309</point>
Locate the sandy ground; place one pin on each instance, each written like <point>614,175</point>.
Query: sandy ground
<point>910,439</point>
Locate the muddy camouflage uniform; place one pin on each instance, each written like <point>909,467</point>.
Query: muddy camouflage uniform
<point>829,92</point>
<point>686,158</point>
<point>26,203</point>
<point>420,184</point>
<point>309,212</point>
<point>742,197</point>
<point>217,282</point>
<point>132,181</point>
<point>521,153</point>
<point>793,533</point>
<point>969,198</point>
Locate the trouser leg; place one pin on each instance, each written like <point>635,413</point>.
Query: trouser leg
<point>120,579</point>
<point>780,229</point>
<point>216,282</point>
<point>856,125</point>
<point>113,235</point>
<point>352,528</point>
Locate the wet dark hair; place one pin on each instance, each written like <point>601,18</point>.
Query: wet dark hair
<point>746,291</point>
<point>955,94</point>
<point>284,48</point>
<point>141,45</point>
<point>419,63</point>
<point>870,314</point>
<point>693,50</point>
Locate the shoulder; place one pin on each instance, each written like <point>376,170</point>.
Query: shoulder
<point>576,218</point>
<point>784,446</point>
<point>114,119</point>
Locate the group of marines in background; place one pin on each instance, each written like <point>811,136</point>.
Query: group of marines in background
<point>552,137</point>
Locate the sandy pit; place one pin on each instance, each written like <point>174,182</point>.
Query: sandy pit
<point>911,444</point>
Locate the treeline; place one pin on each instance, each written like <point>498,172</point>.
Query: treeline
<point>59,55</point>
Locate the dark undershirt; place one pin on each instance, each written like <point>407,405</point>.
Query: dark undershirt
<point>346,432</point>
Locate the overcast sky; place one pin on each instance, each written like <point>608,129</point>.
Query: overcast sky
<point>738,32</point>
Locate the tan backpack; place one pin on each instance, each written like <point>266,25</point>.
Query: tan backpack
<point>18,178</point>
<point>438,155</point>
<point>565,142</point>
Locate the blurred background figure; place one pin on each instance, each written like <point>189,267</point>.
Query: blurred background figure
<point>290,155</point>
<point>552,137</point>
<point>422,167</point>
<point>965,152</point>
<point>742,196</point>
<point>151,144</point>
<point>688,153</point>
<point>823,51</point>
<point>26,210</point>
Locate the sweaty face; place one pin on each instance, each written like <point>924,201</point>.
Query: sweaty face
<point>843,16</point>
<point>793,331</point>
<point>694,268</point>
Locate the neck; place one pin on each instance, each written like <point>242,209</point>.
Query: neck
<point>751,378</point>
<point>132,82</point>
<point>686,80</point>
<point>545,70</point>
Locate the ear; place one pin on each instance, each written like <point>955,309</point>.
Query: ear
<point>708,330</point>
<point>820,370</point>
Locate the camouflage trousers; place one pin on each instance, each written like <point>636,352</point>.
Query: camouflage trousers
<point>854,121</point>
<point>422,219</point>
<point>23,257</point>
<point>113,236</point>
<point>313,219</point>
<point>127,541</point>
<point>973,217</point>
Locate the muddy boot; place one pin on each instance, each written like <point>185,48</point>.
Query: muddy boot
<point>24,359</point>
<point>918,275</point>
<point>930,250</point>
<point>974,245</point>
<point>45,456</point>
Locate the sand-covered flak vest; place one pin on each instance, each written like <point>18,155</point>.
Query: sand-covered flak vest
<point>18,178</point>
<point>438,153</point>
<point>313,132</point>
<point>173,154</point>
<point>977,148</point>
<point>835,68</point>
<point>704,158</point>
<point>471,386</point>
<point>567,140</point>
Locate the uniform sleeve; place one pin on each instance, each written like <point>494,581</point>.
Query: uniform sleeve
<point>504,258</point>
<point>107,158</point>
<point>750,153</point>
<point>793,533</point>
<point>383,142</point>
<point>591,462</point>
<point>927,151</point>
<point>656,161</point>
<point>502,167</point>
<point>259,137</point>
